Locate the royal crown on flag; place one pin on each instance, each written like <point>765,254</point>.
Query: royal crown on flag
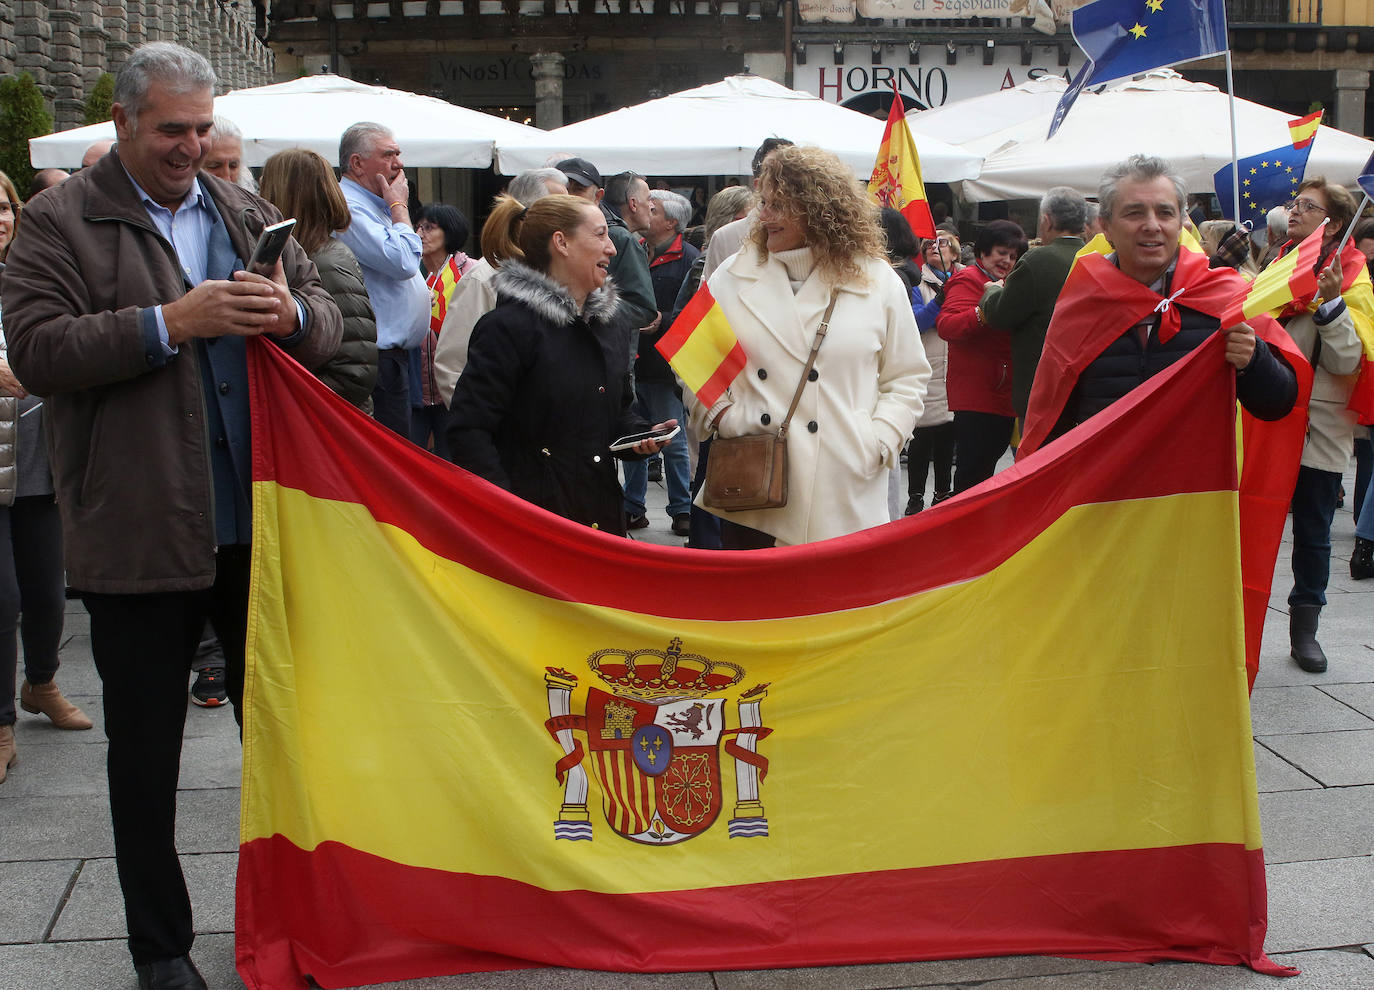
<point>660,676</point>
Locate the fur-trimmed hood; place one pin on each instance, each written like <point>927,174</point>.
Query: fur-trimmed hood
<point>549,298</point>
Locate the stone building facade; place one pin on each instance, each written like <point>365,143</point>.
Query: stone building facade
<point>66,44</point>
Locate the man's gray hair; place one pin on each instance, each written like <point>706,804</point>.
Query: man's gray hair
<point>359,139</point>
<point>1276,220</point>
<point>675,207</point>
<point>532,184</point>
<point>618,190</point>
<point>1066,208</point>
<point>179,69</point>
<point>1138,168</point>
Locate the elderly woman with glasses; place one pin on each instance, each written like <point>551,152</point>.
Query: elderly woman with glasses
<point>1324,327</point>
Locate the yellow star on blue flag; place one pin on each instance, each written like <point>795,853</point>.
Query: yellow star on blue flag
<point>1114,36</point>
<point>1273,179</point>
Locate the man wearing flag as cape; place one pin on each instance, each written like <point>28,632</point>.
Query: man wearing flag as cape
<point>1141,299</point>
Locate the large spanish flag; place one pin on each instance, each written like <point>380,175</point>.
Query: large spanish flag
<point>481,737</point>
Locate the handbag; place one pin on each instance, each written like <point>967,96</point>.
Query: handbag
<point>750,472</point>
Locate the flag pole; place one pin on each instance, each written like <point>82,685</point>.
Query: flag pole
<point>1235,157</point>
<point>1351,229</point>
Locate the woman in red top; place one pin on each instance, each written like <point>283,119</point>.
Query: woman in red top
<point>978,375</point>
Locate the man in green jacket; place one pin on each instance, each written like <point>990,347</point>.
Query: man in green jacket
<point>1024,304</point>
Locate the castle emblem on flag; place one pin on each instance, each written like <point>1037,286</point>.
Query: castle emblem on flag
<point>654,738</point>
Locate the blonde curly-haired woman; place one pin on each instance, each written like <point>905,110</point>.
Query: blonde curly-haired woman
<point>818,239</point>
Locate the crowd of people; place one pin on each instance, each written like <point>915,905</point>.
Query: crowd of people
<point>125,434</point>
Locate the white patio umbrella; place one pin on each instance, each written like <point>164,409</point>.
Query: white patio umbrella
<point>1162,114</point>
<point>715,129</point>
<point>964,123</point>
<point>313,112</point>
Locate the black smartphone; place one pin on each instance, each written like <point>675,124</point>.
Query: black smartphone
<point>271,244</point>
<point>628,443</point>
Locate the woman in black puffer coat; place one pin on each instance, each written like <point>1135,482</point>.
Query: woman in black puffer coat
<point>546,387</point>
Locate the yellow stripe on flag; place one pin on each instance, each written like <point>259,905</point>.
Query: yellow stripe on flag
<point>423,724</point>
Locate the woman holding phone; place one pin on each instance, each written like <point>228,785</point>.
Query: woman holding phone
<point>545,392</point>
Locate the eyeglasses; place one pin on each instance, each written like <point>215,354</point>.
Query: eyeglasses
<point>425,225</point>
<point>6,209</point>
<point>1301,206</point>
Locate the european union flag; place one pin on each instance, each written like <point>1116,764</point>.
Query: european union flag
<point>1267,180</point>
<point>1127,37</point>
<point>1366,179</point>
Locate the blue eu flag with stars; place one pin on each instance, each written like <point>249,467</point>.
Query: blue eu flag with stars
<point>1127,37</point>
<point>1267,180</point>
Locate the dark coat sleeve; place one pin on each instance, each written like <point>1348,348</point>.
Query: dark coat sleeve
<point>1268,387</point>
<point>497,362</point>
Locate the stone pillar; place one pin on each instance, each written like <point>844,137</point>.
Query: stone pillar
<point>8,49</point>
<point>117,47</point>
<point>33,43</point>
<point>95,43</point>
<point>69,106</point>
<point>548,89</point>
<point>1350,88</point>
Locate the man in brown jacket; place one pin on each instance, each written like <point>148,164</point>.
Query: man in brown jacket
<point>127,306</point>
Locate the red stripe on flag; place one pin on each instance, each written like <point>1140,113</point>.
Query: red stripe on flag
<point>696,309</point>
<point>332,451</point>
<point>406,922</point>
<point>721,378</point>
<point>1303,282</point>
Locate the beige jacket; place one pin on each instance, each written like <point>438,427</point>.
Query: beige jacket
<point>853,419</point>
<point>1331,426</point>
<point>473,297</point>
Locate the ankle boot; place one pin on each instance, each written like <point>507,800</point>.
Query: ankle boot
<point>1362,560</point>
<point>1302,633</point>
<point>914,505</point>
<point>45,699</point>
<point>7,755</point>
<point>940,497</point>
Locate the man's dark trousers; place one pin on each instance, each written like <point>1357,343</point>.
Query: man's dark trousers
<point>143,646</point>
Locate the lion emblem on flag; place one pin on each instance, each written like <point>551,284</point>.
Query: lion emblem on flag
<point>654,738</point>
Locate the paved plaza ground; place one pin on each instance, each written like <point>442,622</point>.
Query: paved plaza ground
<point>62,924</point>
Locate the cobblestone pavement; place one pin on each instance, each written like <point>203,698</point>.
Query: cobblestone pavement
<point>62,926</point>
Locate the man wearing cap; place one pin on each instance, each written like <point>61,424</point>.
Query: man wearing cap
<point>630,266</point>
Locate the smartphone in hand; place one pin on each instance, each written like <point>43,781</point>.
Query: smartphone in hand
<point>270,245</point>
<point>634,439</point>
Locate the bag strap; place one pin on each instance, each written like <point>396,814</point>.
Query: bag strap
<point>810,363</point>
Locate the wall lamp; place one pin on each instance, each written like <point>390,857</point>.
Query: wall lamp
<point>876,54</point>
<point>1026,54</point>
<point>913,53</point>
<point>989,51</point>
<point>839,53</point>
<point>951,54</point>
<point>799,51</point>
<point>1063,55</point>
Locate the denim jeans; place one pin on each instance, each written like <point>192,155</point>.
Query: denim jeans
<point>660,403</point>
<point>1314,505</point>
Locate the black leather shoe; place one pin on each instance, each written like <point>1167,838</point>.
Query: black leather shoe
<point>1362,560</point>
<point>170,974</point>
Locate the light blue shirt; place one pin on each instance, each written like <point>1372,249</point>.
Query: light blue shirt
<point>188,231</point>
<point>389,255</point>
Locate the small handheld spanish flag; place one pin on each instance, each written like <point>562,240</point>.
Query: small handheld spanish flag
<point>702,348</point>
<point>442,283</point>
<point>896,179</point>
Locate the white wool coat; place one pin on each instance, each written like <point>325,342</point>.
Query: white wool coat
<point>851,423</point>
